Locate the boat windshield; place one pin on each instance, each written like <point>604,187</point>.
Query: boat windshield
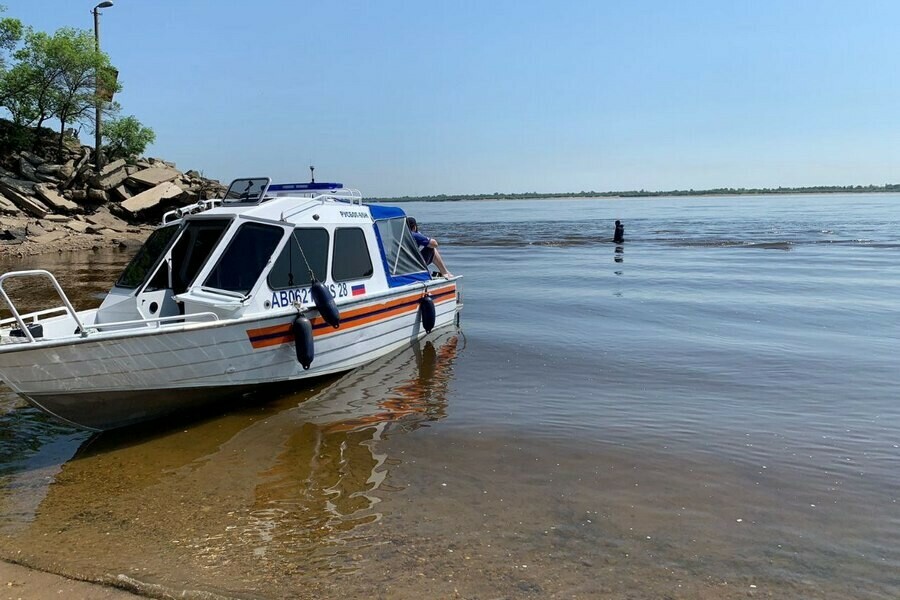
<point>193,248</point>
<point>245,258</point>
<point>250,189</point>
<point>147,256</point>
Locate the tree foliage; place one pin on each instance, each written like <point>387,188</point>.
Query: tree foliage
<point>60,76</point>
<point>126,137</point>
<point>11,31</point>
<point>65,71</point>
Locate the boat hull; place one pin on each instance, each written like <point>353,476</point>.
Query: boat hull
<point>100,411</point>
<point>104,382</point>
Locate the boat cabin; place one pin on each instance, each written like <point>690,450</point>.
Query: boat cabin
<point>260,248</point>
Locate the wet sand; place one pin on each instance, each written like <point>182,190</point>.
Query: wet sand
<point>21,583</point>
<point>274,506</point>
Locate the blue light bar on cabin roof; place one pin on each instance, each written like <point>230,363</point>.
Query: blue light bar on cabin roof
<point>304,187</point>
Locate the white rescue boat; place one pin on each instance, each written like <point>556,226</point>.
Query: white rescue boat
<point>271,284</point>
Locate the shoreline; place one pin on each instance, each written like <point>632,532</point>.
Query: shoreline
<point>22,582</point>
<point>22,237</point>
<point>622,196</point>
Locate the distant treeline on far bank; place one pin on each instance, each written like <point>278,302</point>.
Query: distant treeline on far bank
<point>820,189</point>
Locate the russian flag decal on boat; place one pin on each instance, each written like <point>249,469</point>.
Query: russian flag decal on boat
<point>358,290</point>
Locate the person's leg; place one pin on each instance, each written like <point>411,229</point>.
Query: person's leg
<point>439,263</point>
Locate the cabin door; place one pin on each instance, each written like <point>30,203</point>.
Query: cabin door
<point>157,299</point>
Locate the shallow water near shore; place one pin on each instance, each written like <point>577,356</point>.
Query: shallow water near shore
<point>709,410</point>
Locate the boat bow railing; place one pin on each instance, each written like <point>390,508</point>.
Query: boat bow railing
<point>62,295</point>
<point>67,307</point>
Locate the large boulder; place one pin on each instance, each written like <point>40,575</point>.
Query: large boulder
<point>49,169</point>
<point>23,187</point>
<point>110,176</point>
<point>32,158</point>
<point>7,207</point>
<point>122,192</point>
<point>158,162</point>
<point>79,166</point>
<point>67,170</point>
<point>151,198</point>
<point>27,170</point>
<point>52,198</point>
<point>97,196</point>
<point>103,219</point>
<point>79,226</point>
<point>153,176</point>
<point>19,193</point>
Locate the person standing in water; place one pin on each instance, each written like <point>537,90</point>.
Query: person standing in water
<point>619,235</point>
<point>427,247</point>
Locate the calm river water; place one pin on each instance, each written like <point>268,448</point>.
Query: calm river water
<point>710,410</point>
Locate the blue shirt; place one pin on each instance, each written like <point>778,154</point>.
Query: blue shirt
<point>422,242</point>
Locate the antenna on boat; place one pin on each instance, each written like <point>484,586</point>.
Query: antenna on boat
<point>312,174</point>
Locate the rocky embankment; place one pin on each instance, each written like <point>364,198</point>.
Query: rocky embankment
<point>48,204</point>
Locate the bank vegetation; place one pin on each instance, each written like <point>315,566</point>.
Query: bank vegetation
<point>55,192</point>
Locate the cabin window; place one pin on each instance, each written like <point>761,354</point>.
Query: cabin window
<point>148,255</point>
<point>400,250</point>
<point>245,258</point>
<point>193,248</point>
<point>291,270</point>
<point>351,255</point>
<point>160,279</point>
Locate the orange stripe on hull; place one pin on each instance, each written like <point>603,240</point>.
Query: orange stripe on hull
<point>276,335</point>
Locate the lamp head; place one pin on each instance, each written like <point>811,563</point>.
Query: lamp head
<point>105,4</point>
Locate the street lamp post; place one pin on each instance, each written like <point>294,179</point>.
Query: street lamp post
<point>97,99</point>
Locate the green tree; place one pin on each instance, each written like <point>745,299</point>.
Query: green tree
<point>126,138</point>
<point>29,88</point>
<point>16,87</point>
<point>82,71</point>
<point>58,76</point>
<point>11,32</point>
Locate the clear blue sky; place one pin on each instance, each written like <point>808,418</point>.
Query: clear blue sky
<point>462,97</point>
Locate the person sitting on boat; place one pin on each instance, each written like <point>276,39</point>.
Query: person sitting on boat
<point>428,247</point>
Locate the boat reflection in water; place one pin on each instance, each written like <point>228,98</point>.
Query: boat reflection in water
<point>330,447</point>
<point>267,493</point>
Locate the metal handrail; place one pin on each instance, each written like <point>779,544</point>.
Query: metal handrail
<point>59,290</point>
<point>33,315</point>
<point>350,193</point>
<point>83,331</point>
<point>190,209</point>
<point>355,197</point>
<point>157,320</point>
